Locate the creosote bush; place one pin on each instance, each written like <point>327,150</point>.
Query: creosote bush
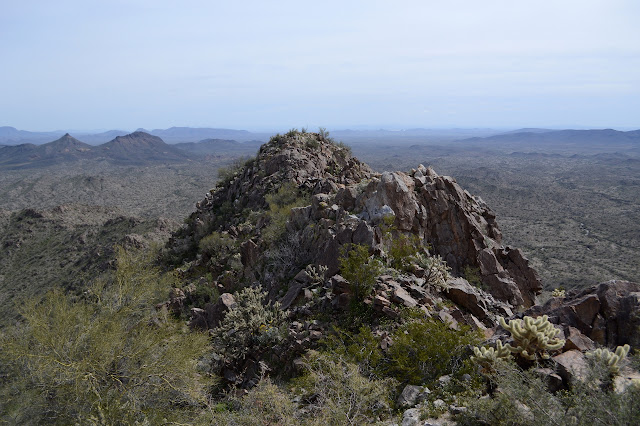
<point>222,251</point>
<point>424,349</point>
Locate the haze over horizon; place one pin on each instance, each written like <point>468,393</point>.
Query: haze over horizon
<point>90,65</point>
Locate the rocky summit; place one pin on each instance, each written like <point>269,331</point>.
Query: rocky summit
<point>348,205</point>
<point>288,220</point>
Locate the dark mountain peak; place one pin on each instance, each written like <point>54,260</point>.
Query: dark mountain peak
<point>137,138</point>
<point>140,148</point>
<point>66,142</point>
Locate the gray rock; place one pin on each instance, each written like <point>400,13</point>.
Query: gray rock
<point>409,395</point>
<point>411,417</point>
<point>467,296</point>
<point>571,365</point>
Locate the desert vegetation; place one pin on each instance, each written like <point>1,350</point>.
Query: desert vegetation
<point>289,298</point>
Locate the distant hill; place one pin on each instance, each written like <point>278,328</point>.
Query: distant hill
<point>12,136</point>
<point>65,246</point>
<point>191,134</point>
<point>136,148</point>
<point>528,130</point>
<point>209,146</point>
<point>565,141</point>
<point>139,148</point>
<point>583,137</point>
<point>17,155</point>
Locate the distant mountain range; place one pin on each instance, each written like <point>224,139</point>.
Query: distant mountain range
<point>564,137</point>
<point>137,148</point>
<point>13,136</point>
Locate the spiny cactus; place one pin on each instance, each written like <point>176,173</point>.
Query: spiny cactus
<point>533,336</point>
<point>316,275</point>
<point>558,292</point>
<point>611,359</point>
<point>487,356</point>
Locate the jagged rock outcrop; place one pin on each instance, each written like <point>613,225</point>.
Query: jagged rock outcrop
<point>607,314</point>
<point>348,206</point>
<point>459,227</point>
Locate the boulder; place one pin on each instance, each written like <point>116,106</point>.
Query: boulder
<point>576,340</point>
<point>409,396</point>
<point>411,417</point>
<point>291,295</point>
<point>217,311</point>
<point>401,296</point>
<point>464,294</point>
<point>571,365</point>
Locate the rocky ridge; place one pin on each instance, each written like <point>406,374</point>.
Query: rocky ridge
<point>349,202</point>
<point>346,203</point>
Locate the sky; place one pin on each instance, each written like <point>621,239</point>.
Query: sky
<point>274,65</point>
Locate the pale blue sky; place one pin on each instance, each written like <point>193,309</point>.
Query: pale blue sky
<point>83,64</point>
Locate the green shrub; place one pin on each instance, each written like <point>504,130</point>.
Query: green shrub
<point>403,251</point>
<point>218,247</point>
<point>361,348</point>
<point>423,350</point>
<point>280,204</point>
<point>103,358</point>
<point>292,133</point>
<point>360,269</point>
<point>472,275</point>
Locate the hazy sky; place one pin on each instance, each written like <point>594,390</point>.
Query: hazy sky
<point>275,64</point>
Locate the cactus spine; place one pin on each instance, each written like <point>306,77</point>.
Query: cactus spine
<point>533,336</point>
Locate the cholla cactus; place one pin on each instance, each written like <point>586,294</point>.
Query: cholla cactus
<point>436,270</point>
<point>316,276</point>
<point>558,292</point>
<point>533,336</point>
<point>611,359</point>
<point>487,356</point>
